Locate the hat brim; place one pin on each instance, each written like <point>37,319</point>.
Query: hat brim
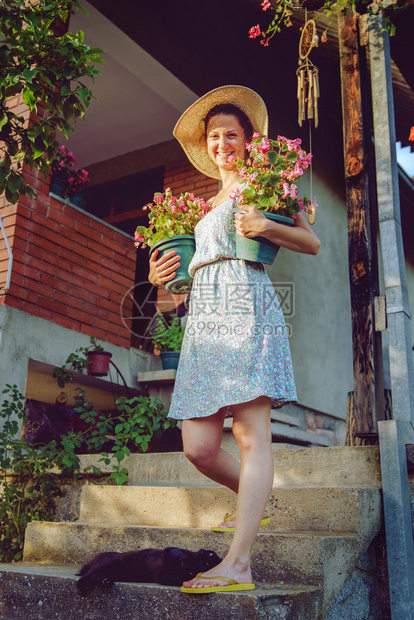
<point>189,129</point>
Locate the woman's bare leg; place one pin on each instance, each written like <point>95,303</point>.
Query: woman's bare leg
<point>202,446</point>
<point>251,428</point>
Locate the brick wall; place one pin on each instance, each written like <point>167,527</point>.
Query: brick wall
<point>183,177</point>
<point>67,267</point>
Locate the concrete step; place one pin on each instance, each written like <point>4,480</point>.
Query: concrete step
<point>43,592</point>
<point>357,466</point>
<point>318,559</point>
<point>309,509</point>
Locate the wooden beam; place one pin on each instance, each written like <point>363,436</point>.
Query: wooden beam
<point>363,270</point>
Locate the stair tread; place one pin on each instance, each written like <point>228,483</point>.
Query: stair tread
<point>68,571</point>
<point>143,528</point>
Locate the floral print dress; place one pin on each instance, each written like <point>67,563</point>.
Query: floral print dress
<point>235,345</point>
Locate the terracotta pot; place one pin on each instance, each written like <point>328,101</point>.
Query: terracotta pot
<point>98,363</point>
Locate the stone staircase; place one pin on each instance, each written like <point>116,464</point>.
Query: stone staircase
<point>325,510</point>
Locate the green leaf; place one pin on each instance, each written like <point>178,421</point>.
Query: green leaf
<point>29,74</point>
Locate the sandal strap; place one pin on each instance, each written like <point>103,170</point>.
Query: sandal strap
<point>229,517</point>
<point>231,582</point>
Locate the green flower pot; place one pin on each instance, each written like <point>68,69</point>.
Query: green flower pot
<point>58,186</point>
<point>184,245</point>
<point>259,249</point>
<point>170,359</point>
<point>79,199</point>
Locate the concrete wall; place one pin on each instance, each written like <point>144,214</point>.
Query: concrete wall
<point>321,340</point>
<point>25,338</point>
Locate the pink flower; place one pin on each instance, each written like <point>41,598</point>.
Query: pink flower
<point>265,41</point>
<point>266,5</point>
<point>254,32</point>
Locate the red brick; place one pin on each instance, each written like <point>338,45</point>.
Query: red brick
<point>108,305</point>
<point>39,208</point>
<point>38,288</point>
<point>61,241</point>
<point>89,232</point>
<point>84,295</point>
<point>107,326</point>
<point>41,266</point>
<point>69,278</point>
<point>95,310</point>
<point>99,290</point>
<point>100,249</point>
<point>86,253</point>
<point>61,219</point>
<point>63,321</point>
<point>35,251</point>
<point>33,227</point>
<point>11,301</point>
<point>43,313</point>
<point>99,334</point>
<point>112,285</point>
<point>86,274</point>
<point>74,214</point>
<point>70,233</point>
<point>83,317</point>
<point>55,283</point>
<point>97,269</point>
<point>72,258</point>
<point>68,300</point>
<point>122,280</point>
<point>54,306</point>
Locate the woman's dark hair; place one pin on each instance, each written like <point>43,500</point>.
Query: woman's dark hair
<point>230,109</point>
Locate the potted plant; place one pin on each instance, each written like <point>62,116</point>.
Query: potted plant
<point>172,222</point>
<point>267,177</point>
<point>167,338</point>
<point>77,182</point>
<point>93,358</point>
<point>61,170</point>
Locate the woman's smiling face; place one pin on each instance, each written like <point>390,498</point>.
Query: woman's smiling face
<point>225,137</point>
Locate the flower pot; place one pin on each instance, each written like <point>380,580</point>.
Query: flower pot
<point>58,186</point>
<point>184,245</point>
<point>79,199</point>
<point>170,359</point>
<point>259,249</point>
<point>98,363</point>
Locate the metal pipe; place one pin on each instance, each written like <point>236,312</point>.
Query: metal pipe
<point>9,269</point>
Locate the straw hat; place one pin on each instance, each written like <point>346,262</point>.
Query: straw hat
<point>189,129</point>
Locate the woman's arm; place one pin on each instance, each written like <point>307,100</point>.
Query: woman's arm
<point>299,238</point>
<point>163,269</point>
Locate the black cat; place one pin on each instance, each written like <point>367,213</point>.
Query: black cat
<point>169,567</point>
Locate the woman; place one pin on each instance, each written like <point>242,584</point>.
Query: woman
<point>235,351</point>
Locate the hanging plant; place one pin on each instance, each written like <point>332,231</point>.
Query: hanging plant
<point>281,10</point>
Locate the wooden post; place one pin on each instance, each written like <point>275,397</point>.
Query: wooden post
<point>365,401</point>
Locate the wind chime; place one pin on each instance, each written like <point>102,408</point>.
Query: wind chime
<point>308,87</point>
<point>307,75</point>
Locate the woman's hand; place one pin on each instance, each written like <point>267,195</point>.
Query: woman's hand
<point>251,223</point>
<point>164,269</point>
<point>299,238</point>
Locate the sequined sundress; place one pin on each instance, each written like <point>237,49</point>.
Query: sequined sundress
<point>235,345</point>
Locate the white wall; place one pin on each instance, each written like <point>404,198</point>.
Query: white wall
<point>321,340</point>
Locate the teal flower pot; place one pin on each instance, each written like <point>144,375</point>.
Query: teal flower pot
<point>259,249</point>
<point>170,359</point>
<point>184,245</point>
<point>79,199</point>
<point>58,186</point>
